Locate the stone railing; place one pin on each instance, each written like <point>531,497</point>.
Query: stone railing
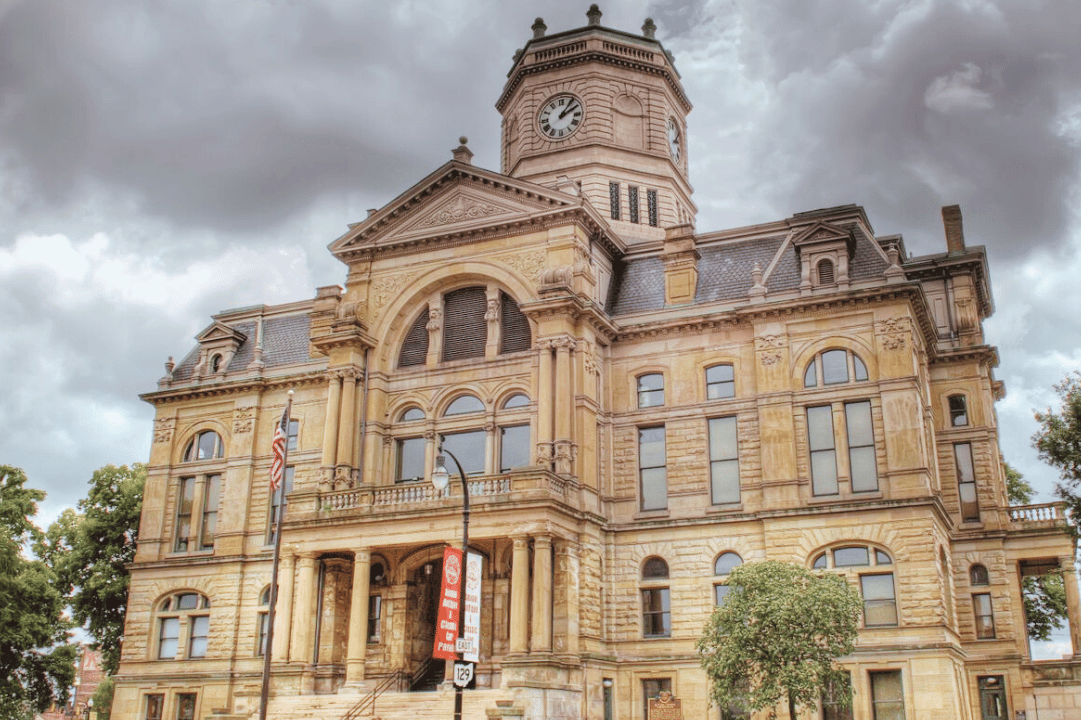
<point>482,490</point>
<point>559,51</point>
<point>1045,514</point>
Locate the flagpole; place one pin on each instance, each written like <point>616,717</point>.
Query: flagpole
<point>277,528</point>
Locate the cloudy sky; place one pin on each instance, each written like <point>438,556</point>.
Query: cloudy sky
<point>161,161</point>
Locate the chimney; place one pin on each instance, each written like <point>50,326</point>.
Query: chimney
<point>680,257</point>
<point>955,234</point>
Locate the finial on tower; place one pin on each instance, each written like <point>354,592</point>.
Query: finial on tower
<point>462,153</point>
<point>649,29</point>
<point>538,28</point>
<point>594,14</point>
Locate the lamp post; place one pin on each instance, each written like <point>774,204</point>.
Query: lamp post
<point>440,479</point>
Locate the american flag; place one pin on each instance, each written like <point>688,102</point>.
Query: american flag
<point>277,464</point>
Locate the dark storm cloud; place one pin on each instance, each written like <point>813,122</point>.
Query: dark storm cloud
<point>907,106</point>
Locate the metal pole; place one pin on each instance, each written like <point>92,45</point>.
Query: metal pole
<point>461,585</point>
<point>264,692</point>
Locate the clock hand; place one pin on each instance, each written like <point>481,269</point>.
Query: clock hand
<point>567,110</point>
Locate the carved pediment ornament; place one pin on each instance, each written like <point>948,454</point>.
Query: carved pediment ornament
<point>893,332</point>
<point>530,264</point>
<point>386,289</point>
<point>461,210</point>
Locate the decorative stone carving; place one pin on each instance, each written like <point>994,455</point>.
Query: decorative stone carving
<point>893,332</point>
<point>492,313</point>
<point>343,477</point>
<point>386,289</point>
<point>565,453</point>
<point>163,430</point>
<point>435,319</point>
<point>770,348</point>
<point>461,210</point>
<point>544,454</point>
<point>562,275</point>
<point>243,419</point>
<point>530,264</point>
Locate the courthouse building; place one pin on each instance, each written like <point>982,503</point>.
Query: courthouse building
<point>639,406</point>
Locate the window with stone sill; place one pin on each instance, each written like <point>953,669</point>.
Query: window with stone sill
<point>375,616</point>
<point>984,616</point>
<point>862,563</point>
<point>966,482</point>
<point>832,707</point>
<point>856,447</point>
<point>723,461</point>
<point>958,410</point>
<point>834,367</point>
<point>262,616</point>
<point>197,512</point>
<point>276,498</point>
<point>465,428</point>
<point>184,613</point>
<point>978,575</point>
<point>185,706</point>
<point>652,469</point>
<point>725,563</point>
<point>656,610</point>
<point>651,689</point>
<point>720,382</point>
<point>650,390</point>
<point>887,695</point>
<point>154,706</point>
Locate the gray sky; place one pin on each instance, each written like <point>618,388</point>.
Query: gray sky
<point>161,161</point>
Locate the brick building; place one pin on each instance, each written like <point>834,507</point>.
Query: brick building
<point>639,407</point>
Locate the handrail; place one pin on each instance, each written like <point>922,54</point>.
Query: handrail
<point>420,672</point>
<point>1044,512</point>
<point>362,707</point>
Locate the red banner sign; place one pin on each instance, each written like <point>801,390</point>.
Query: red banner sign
<point>446,628</point>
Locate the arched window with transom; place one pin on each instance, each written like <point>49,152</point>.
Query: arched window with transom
<point>183,622</point>
<point>656,611</point>
<point>872,570</point>
<point>834,367</point>
<point>725,563</point>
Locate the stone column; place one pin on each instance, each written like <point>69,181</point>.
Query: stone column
<point>304,611</point>
<point>519,597</point>
<point>545,405</point>
<point>1073,602</point>
<point>563,390</point>
<point>358,617</point>
<point>569,569</point>
<point>330,428</point>
<point>283,614</point>
<point>347,419</point>
<point>542,594</point>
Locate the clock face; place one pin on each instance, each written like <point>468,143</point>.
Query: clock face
<point>675,142</point>
<point>560,116</point>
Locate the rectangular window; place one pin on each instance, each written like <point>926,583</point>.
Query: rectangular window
<point>375,614</point>
<point>650,390</point>
<point>513,447</point>
<point>185,706</point>
<point>411,459</point>
<point>720,592</point>
<point>154,706</point>
<point>887,697</point>
<point>985,617</point>
<point>966,482</point>
<point>656,613</point>
<point>723,461</point>
<point>168,638</point>
<point>651,203</point>
<point>958,411</point>
<point>632,202</point>
<point>184,503</point>
<point>292,437</point>
<point>200,631</point>
<point>469,448</point>
<point>652,688</point>
<point>823,450</point>
<point>613,199</point>
<point>275,497</point>
<point>211,496</point>
<point>861,447</point>
<point>720,382</point>
<point>653,475</point>
<point>261,631</point>
<point>879,601</point>
<point>833,706</point>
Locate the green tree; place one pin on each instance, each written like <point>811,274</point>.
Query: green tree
<point>1045,604</point>
<point>1059,444</point>
<point>1018,489</point>
<point>90,551</point>
<point>36,660</point>
<point>777,636</point>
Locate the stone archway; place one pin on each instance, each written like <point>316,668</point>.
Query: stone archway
<point>422,605</point>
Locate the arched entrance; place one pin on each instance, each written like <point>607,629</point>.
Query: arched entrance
<point>422,607</point>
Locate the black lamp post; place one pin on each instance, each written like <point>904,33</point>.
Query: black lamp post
<point>440,479</point>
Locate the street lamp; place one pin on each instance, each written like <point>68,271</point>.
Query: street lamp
<point>440,479</point>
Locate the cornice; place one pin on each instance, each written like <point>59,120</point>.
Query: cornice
<point>233,387</point>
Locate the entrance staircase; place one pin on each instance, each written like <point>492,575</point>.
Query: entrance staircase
<point>389,706</point>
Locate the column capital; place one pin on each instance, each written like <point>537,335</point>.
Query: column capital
<point>542,540</point>
<point>362,555</point>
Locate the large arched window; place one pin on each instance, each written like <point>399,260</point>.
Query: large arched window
<point>183,621</point>
<point>725,563</point>
<point>206,445</point>
<point>873,569</point>
<point>656,612</point>
<point>467,318</point>
<point>834,367</point>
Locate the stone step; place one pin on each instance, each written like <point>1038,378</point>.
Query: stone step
<point>388,706</point>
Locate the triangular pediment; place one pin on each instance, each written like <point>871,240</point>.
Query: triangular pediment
<point>219,332</point>
<point>458,200</point>
<point>821,232</point>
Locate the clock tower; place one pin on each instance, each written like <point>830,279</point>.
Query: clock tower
<point>601,112</point>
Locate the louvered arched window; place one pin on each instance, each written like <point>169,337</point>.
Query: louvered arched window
<point>415,348</point>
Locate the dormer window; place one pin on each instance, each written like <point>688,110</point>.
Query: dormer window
<point>825,272</point>
<point>215,363</point>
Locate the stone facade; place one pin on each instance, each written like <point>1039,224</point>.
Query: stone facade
<point>631,400</point>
